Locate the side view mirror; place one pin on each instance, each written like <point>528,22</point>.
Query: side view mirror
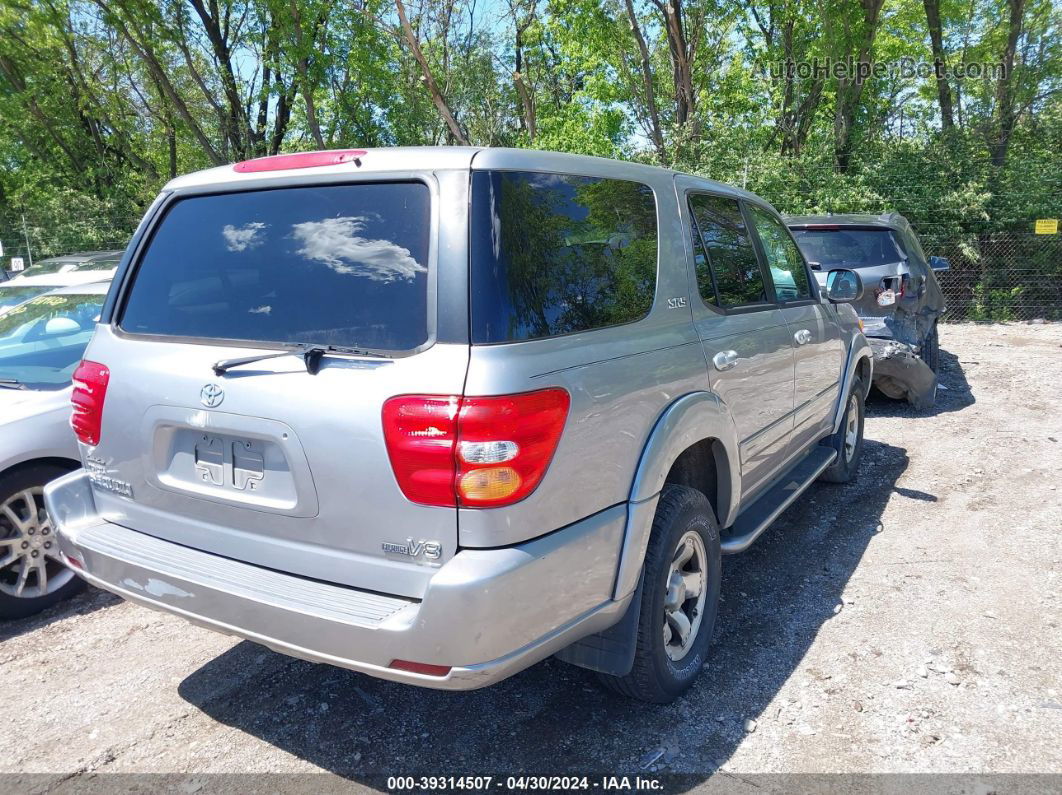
<point>843,286</point>
<point>58,326</point>
<point>939,264</point>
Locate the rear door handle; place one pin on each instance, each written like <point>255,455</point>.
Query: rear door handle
<point>802,337</point>
<point>724,360</point>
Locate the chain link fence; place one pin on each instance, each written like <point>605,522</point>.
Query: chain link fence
<point>1002,276</point>
<point>33,239</point>
<point>997,276</point>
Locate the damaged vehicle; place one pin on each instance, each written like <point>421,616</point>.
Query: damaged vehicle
<point>902,302</point>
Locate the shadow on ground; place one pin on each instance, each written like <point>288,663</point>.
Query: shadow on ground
<point>553,717</point>
<point>953,394</point>
<point>88,601</point>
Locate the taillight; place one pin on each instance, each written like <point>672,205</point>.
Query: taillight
<point>473,451</point>
<point>505,444</point>
<point>90,390</point>
<point>420,431</point>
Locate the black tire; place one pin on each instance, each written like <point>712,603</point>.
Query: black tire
<point>12,606</point>
<point>845,467</point>
<point>930,353</point>
<point>656,677</point>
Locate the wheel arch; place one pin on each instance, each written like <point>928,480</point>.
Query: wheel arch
<point>860,364</point>
<point>692,443</point>
<point>69,464</point>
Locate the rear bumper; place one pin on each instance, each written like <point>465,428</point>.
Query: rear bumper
<point>900,373</point>
<point>486,613</point>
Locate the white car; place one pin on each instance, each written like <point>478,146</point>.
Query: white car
<point>41,342</point>
<point>13,294</point>
<point>55,272</point>
<point>65,271</point>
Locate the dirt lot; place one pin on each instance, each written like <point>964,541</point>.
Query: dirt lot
<point>909,622</point>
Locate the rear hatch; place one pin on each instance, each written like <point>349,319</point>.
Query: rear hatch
<point>279,462</point>
<point>874,253</point>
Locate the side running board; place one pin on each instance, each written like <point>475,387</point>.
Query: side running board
<point>758,516</point>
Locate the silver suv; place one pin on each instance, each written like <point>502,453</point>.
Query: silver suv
<point>437,414</point>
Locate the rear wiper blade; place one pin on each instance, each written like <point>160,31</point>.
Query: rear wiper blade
<point>311,357</point>
<point>11,383</point>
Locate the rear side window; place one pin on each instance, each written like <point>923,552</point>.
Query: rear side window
<point>343,265</point>
<point>556,254</point>
<point>735,270</point>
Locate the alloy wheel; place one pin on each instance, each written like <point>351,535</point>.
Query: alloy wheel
<point>687,586</point>
<point>30,564</point>
<point>851,428</point>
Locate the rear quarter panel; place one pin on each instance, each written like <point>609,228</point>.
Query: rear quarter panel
<point>620,380</point>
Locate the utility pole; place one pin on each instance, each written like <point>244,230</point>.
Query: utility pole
<point>25,233</point>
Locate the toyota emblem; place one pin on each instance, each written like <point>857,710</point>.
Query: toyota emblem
<point>212,395</point>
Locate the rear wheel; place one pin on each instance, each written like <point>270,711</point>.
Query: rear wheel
<point>680,599</point>
<point>848,440</point>
<point>930,353</point>
<point>32,574</point>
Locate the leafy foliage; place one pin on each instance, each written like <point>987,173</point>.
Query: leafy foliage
<point>102,101</point>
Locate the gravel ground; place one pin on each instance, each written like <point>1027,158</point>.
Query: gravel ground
<point>909,622</point>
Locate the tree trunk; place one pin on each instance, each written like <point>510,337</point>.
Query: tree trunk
<point>526,100</point>
<point>171,141</point>
<point>141,45</point>
<point>1006,117</point>
<point>302,66</point>
<point>679,49</point>
<point>436,95</point>
<point>237,121</point>
<point>850,87</point>
<point>936,37</point>
<point>655,131</point>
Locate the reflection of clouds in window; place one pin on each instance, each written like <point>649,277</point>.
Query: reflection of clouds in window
<point>336,243</point>
<point>241,238</point>
<point>495,224</point>
<point>549,180</point>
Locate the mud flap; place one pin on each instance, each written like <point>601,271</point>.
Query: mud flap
<point>900,374</point>
<point>611,651</point>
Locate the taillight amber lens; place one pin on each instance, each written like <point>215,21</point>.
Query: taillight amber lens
<point>530,424</point>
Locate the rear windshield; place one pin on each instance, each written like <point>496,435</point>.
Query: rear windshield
<point>850,248</point>
<point>50,266</point>
<point>110,263</point>
<point>343,265</point>
<point>556,253</point>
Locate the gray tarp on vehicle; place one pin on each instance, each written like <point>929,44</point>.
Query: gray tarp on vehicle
<point>893,261</point>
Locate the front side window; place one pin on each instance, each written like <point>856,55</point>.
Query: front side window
<point>783,258</point>
<point>343,265</point>
<point>737,276</point>
<point>556,253</point>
